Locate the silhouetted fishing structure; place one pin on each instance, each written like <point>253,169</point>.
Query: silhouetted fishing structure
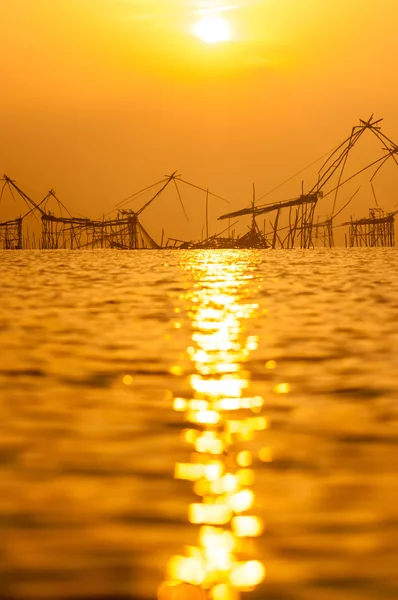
<point>377,230</point>
<point>123,232</point>
<point>292,223</point>
<point>11,230</point>
<point>302,230</point>
<point>254,238</point>
<point>323,234</point>
<point>62,230</point>
<point>11,234</point>
<point>300,224</point>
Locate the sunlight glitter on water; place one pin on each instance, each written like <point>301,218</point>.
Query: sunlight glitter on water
<point>89,503</point>
<point>222,564</point>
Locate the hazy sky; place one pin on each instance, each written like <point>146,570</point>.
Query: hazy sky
<point>100,98</point>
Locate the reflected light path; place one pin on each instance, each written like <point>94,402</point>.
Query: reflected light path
<point>222,418</point>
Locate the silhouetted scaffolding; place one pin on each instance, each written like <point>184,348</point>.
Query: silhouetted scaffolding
<point>301,230</point>
<point>125,233</point>
<point>376,230</point>
<point>367,230</point>
<point>63,232</point>
<point>11,235</point>
<point>11,231</point>
<point>254,238</point>
<point>300,214</point>
<point>292,223</point>
<point>323,234</point>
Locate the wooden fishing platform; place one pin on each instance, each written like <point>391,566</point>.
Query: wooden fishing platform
<point>294,222</point>
<point>376,230</point>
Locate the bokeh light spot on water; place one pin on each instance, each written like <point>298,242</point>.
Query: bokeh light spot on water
<point>224,591</point>
<point>190,569</point>
<point>181,591</point>
<point>241,501</point>
<point>270,364</point>
<point>180,404</point>
<point>190,435</point>
<point>246,477</point>
<point>176,370</point>
<point>203,417</point>
<point>265,454</point>
<point>282,388</point>
<point>210,445</point>
<point>248,574</point>
<point>244,458</point>
<point>213,514</point>
<point>247,526</point>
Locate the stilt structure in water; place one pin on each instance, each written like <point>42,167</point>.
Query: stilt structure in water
<point>294,224</point>
<point>11,230</point>
<point>376,230</point>
<point>65,231</point>
<point>300,214</point>
<point>323,234</point>
<point>125,232</point>
<point>254,238</point>
<point>122,232</point>
<point>62,230</point>
<point>11,234</point>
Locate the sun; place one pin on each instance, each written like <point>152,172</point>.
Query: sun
<point>213,30</point>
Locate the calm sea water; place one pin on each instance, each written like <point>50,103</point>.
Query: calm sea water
<point>102,354</point>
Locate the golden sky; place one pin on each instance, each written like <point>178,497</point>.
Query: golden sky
<point>102,97</point>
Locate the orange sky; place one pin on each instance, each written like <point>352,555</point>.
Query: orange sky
<point>102,97</point>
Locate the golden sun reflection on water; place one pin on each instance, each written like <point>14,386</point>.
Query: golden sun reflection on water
<point>222,418</point>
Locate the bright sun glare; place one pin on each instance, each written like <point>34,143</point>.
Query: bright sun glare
<point>213,30</point>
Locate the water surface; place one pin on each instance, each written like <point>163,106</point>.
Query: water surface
<point>97,346</point>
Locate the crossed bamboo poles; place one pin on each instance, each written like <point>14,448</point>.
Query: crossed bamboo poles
<point>80,232</point>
